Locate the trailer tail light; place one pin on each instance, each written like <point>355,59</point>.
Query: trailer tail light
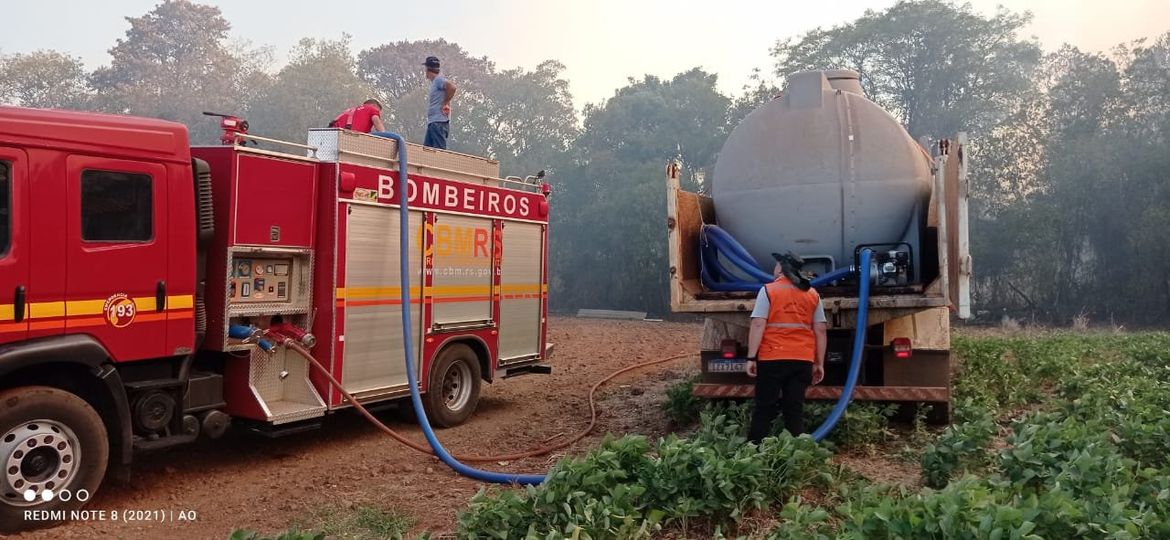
<point>902,347</point>
<point>728,348</point>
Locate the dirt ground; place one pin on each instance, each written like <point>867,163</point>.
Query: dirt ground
<point>245,481</point>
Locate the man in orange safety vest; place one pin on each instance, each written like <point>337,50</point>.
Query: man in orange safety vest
<point>786,347</point>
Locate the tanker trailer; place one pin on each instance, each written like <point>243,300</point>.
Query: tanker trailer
<point>824,172</point>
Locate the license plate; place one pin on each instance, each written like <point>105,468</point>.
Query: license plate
<point>726,366</point>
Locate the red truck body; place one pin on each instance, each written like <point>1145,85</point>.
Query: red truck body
<point>132,261</point>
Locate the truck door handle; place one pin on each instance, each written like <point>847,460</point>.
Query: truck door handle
<point>18,304</point>
<point>160,296</point>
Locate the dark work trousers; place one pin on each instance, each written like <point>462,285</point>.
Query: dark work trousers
<point>437,133</point>
<point>780,383</point>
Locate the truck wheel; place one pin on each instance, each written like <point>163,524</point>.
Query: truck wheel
<point>453,391</point>
<point>53,450</point>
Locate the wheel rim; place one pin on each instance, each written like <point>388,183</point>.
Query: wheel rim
<point>457,386</point>
<point>37,455</point>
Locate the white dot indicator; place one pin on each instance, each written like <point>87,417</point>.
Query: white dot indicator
<point>47,495</point>
<point>30,495</point>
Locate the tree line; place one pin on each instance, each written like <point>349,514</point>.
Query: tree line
<point>1069,149</point>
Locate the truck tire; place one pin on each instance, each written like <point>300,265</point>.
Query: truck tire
<point>453,390</point>
<point>53,440</point>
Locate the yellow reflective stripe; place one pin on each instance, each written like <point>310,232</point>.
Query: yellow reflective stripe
<point>37,310</point>
<point>459,290</point>
<point>85,307</point>
<point>522,288</point>
<point>181,301</point>
<point>367,293</point>
<point>79,308</point>
<point>97,307</point>
<point>144,303</point>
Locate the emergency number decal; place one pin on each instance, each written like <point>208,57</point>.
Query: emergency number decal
<point>120,310</point>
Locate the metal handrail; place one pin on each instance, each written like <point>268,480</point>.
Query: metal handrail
<point>312,149</point>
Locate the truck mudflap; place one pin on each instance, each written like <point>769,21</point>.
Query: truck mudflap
<point>864,393</point>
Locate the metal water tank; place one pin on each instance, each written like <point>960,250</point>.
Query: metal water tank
<point>820,171</point>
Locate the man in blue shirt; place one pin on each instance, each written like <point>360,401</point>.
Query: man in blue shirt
<point>438,105</point>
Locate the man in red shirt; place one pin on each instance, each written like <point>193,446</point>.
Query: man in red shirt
<point>364,118</point>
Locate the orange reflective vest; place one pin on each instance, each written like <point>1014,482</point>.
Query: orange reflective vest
<point>789,334</point>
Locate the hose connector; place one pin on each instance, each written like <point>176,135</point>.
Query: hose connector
<point>247,334</point>
<point>250,334</point>
<point>306,339</point>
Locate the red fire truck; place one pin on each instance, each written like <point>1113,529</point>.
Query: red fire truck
<point>141,281</point>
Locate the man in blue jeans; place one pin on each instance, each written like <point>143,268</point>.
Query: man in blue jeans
<point>438,105</point>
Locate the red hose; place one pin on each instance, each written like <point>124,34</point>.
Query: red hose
<point>506,457</point>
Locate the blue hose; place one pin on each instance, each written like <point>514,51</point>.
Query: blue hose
<point>738,256</point>
<point>717,245</point>
<point>835,275</point>
<point>858,348</point>
<point>408,343</point>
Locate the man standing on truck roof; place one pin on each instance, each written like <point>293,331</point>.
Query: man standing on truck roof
<point>438,105</point>
<point>364,118</point>
<point>786,347</point>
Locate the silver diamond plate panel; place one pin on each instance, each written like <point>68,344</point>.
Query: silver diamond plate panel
<point>300,300</point>
<point>300,297</point>
<point>289,398</point>
<point>264,374</point>
<point>325,141</point>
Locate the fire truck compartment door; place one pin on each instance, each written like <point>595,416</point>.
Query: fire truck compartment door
<point>521,292</point>
<point>461,273</point>
<point>116,260</point>
<point>14,246</point>
<point>274,201</point>
<point>373,298</point>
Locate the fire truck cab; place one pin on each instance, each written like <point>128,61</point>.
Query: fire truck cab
<point>146,287</point>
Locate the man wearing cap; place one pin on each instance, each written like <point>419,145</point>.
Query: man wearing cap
<point>786,347</point>
<point>438,105</point>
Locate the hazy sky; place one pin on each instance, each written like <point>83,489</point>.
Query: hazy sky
<point>602,42</point>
